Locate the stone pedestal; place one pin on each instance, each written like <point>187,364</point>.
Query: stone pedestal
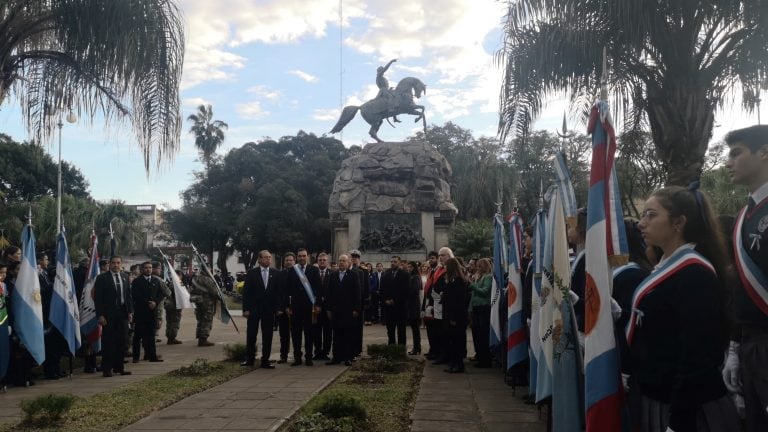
<point>392,199</point>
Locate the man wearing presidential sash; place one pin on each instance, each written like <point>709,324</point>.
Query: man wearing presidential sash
<point>302,285</point>
<point>745,369</point>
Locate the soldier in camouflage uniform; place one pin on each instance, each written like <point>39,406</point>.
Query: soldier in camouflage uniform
<point>172,316</point>
<point>205,295</point>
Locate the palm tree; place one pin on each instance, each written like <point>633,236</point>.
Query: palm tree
<point>120,60</point>
<point>209,133</point>
<point>673,62</point>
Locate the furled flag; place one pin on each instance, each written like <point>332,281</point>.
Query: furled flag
<point>499,260</point>
<point>567,410</point>
<point>517,344</point>
<point>537,261</point>
<point>606,241</point>
<point>565,185</point>
<point>548,311</point>
<point>180,293</point>
<point>224,315</point>
<point>26,302</point>
<point>65,313</point>
<point>89,322</point>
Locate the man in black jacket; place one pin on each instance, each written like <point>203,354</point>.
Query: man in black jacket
<point>261,300</point>
<point>394,292</point>
<point>114,308</point>
<point>363,280</point>
<point>343,304</point>
<point>147,294</point>
<point>322,330</point>
<point>302,283</point>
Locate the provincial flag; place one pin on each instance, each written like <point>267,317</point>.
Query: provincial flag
<point>89,322</point>
<point>499,261</point>
<point>517,344</point>
<point>605,243</point>
<point>180,293</point>
<point>537,259</point>
<point>65,313</point>
<point>549,313</point>
<point>27,302</point>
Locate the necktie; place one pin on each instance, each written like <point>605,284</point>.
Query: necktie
<point>301,267</point>
<point>265,276</point>
<point>341,276</point>
<point>119,286</point>
<point>322,275</point>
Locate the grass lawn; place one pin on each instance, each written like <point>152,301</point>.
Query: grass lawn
<point>118,408</point>
<point>388,398</point>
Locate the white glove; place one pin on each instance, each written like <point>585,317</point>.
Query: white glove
<point>615,310</point>
<point>731,368</point>
<point>625,381</point>
<point>669,429</point>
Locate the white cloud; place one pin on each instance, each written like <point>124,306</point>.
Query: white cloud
<point>304,76</point>
<point>194,102</point>
<point>251,110</point>
<point>266,92</point>
<point>329,114</point>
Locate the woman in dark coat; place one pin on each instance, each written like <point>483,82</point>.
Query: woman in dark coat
<point>455,300</point>
<point>413,305</point>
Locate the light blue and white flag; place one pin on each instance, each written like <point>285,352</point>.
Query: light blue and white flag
<point>65,313</point>
<point>499,262</point>
<point>26,300</point>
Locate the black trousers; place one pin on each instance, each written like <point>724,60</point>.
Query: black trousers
<point>396,325</point>
<point>301,326</point>
<point>436,337</point>
<point>113,336</point>
<point>357,336</point>
<point>456,344</point>
<point>284,329</point>
<point>342,343</point>
<point>251,334</point>
<point>144,335</point>
<point>753,356</point>
<point>55,345</point>
<point>414,324</point>
<point>481,328</point>
<point>322,334</point>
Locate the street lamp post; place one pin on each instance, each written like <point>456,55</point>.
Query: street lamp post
<point>71,118</point>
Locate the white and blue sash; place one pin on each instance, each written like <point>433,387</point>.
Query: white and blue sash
<point>681,258</point>
<point>752,277</point>
<point>305,283</point>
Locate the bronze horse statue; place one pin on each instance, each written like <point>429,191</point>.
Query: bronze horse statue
<point>395,102</point>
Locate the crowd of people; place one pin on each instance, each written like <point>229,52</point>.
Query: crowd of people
<point>129,305</point>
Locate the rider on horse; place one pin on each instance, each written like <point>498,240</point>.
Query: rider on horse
<point>385,93</point>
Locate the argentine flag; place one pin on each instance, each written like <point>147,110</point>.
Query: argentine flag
<point>26,300</point>
<point>65,313</point>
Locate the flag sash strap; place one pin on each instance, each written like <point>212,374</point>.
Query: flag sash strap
<point>576,261</point>
<point>305,283</point>
<point>621,269</point>
<point>752,277</point>
<point>683,257</point>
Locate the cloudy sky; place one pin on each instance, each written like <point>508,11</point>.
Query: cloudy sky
<point>271,68</point>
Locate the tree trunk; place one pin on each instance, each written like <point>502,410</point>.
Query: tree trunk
<point>681,117</point>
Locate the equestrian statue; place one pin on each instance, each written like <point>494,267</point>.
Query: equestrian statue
<point>389,102</point>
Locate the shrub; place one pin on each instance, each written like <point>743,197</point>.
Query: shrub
<point>339,405</point>
<point>199,367</point>
<point>48,409</point>
<point>379,365</point>
<point>317,422</point>
<point>234,353</point>
<point>391,352</point>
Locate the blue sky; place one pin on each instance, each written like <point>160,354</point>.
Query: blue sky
<point>273,67</point>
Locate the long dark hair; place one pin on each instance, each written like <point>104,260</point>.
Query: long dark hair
<point>454,270</point>
<point>636,245</point>
<point>703,228</point>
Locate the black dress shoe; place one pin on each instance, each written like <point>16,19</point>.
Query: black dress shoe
<point>297,363</point>
<point>332,362</point>
<point>135,360</point>
<point>246,364</point>
<point>454,370</point>
<point>308,362</point>
<point>125,373</point>
<point>483,365</point>
<point>156,360</point>
<point>52,377</point>
<point>414,352</point>
<point>89,370</point>
<point>438,362</point>
<point>282,360</point>
<point>106,374</point>
<point>267,366</point>
<point>347,363</point>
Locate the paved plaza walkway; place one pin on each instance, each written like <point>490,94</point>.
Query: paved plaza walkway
<point>263,399</point>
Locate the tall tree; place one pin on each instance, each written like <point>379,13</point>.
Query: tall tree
<point>209,133</point>
<point>672,64</point>
<point>120,60</point>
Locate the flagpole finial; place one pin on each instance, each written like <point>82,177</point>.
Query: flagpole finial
<point>541,194</point>
<point>111,232</point>
<point>604,76</point>
<point>29,216</point>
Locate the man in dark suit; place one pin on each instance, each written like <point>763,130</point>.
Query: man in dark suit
<point>114,307</point>
<point>343,304</point>
<point>322,330</point>
<point>302,285</point>
<point>261,300</point>
<point>363,280</point>
<point>394,292</point>
<point>147,294</point>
